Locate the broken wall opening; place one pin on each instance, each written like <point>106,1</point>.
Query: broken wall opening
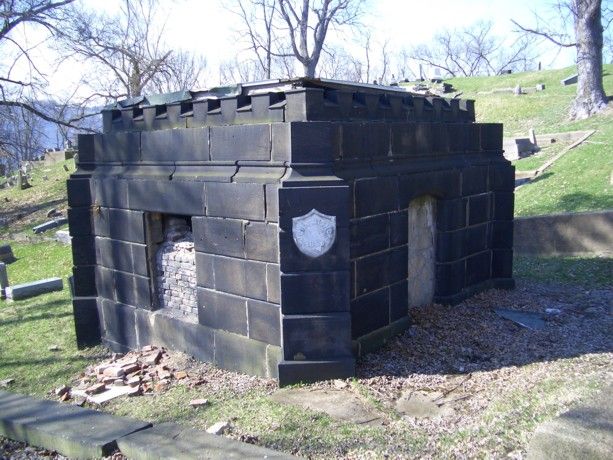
<point>173,265</point>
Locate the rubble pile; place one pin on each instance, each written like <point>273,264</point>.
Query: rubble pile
<point>136,373</point>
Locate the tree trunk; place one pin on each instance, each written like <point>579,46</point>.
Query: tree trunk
<point>590,97</point>
<point>309,68</point>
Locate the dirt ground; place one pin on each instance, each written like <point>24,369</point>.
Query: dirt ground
<point>468,364</point>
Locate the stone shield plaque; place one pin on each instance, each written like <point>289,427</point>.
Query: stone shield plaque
<point>314,233</point>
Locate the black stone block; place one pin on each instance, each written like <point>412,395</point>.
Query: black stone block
<point>478,268</point>
<point>140,264</point>
<point>441,184</point>
<point>119,324</point>
<point>315,337</point>
<point>262,241</point>
<point>205,271</point>
<point>142,292</point>
<point>236,200</point>
<point>502,234</point>
<point>399,228</point>
<point>376,195</point>
<point>502,263</point>
<point>83,250</point>
<point>292,260</point>
<point>158,329</point>
<point>312,142</point>
<point>273,283</point>
<point>238,353</point>
<point>378,270</point>
<point>458,135</point>
<point>127,225</point>
<point>117,146</point>
<point>264,322</point>
<point>473,137</point>
<point>475,239</point>
<point>87,321</point>
<point>84,280</point>
<point>79,192</point>
<point>79,221</point>
<point>403,139</point>
<point>125,289</point>
<point>313,292</point>
<point>491,136</point>
<point>441,142</point>
<point>502,205</point>
<point>450,246</point>
<point>272,202</point>
<point>105,283</point>
<point>243,142</point>
<point>399,300</point>
<point>502,177</point>
<point>86,148</point>
<point>222,311</point>
<point>114,254</point>
<point>451,214</point>
<point>294,372</point>
<point>474,180</point>
<point>176,145</point>
<point>241,277</point>
<point>450,278</point>
<point>423,138</point>
<point>219,236</point>
<point>111,192</point>
<point>369,235</point>
<point>370,312</point>
<point>478,209</point>
<point>167,196</point>
<point>298,201</point>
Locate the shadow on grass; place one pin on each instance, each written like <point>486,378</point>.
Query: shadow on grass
<point>19,212</point>
<point>581,200</point>
<point>36,312</point>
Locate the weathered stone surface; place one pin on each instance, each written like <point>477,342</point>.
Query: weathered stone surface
<point>34,288</point>
<point>340,405</point>
<point>583,432</point>
<point>169,440</point>
<point>422,233</point>
<point>73,431</point>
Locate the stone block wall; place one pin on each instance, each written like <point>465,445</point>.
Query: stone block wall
<point>242,169</point>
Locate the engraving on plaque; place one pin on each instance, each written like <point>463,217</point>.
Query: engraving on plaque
<point>314,233</point>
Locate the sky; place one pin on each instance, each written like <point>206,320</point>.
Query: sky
<point>209,28</point>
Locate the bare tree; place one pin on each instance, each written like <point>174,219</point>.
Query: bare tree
<point>129,51</point>
<point>473,50</point>
<point>588,40</point>
<point>24,101</point>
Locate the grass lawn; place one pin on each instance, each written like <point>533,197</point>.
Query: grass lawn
<point>581,179</point>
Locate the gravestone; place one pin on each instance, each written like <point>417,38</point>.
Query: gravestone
<point>6,254</point>
<point>570,80</point>
<point>4,280</point>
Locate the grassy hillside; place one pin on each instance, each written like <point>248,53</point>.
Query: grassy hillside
<point>579,181</point>
<point>22,209</point>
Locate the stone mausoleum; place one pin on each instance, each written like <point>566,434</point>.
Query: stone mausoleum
<point>284,228</point>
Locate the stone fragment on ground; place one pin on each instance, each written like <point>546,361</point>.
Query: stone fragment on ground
<point>49,225</point>
<point>169,440</point>
<point>421,404</point>
<point>6,254</point>
<point>528,319</point>
<point>199,402</point>
<point>338,404</point>
<point>34,288</point>
<point>218,428</point>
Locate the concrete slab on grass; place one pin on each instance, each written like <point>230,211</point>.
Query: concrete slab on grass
<point>34,288</point>
<point>71,430</point>
<point>172,441</point>
<point>583,432</point>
